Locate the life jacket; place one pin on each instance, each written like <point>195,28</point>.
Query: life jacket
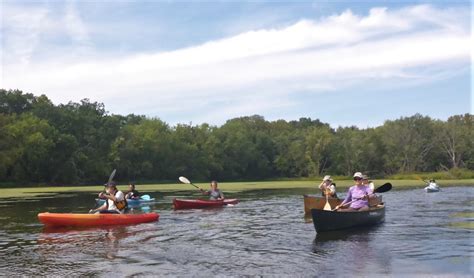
<point>121,205</point>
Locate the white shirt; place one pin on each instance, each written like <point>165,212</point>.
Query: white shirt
<point>119,197</point>
<point>371,186</point>
<point>433,185</point>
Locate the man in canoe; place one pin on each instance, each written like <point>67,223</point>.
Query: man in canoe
<point>114,200</point>
<point>132,193</point>
<point>214,193</point>
<point>366,182</point>
<point>358,195</point>
<point>328,187</point>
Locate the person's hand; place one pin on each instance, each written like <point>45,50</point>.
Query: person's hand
<point>91,211</point>
<point>102,195</point>
<point>337,207</point>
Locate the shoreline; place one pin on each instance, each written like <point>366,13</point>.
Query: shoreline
<point>225,186</point>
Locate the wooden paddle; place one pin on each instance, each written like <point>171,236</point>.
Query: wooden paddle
<point>186,181</point>
<point>381,189</point>
<point>327,206</point>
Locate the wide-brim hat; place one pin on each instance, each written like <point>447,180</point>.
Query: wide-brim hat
<point>327,178</point>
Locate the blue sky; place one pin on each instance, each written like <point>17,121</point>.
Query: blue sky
<point>344,62</point>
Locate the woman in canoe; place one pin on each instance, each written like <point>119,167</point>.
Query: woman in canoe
<point>328,187</point>
<point>358,195</point>
<point>132,193</point>
<point>214,193</point>
<point>115,200</point>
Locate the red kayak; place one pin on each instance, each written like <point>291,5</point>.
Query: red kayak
<point>198,203</point>
<point>78,219</point>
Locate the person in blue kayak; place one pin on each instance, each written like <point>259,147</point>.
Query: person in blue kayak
<point>114,200</point>
<point>214,193</point>
<point>132,193</point>
<point>358,195</point>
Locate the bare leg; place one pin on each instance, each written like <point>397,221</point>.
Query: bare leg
<point>365,208</point>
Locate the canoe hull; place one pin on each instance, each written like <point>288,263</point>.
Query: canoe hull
<point>86,220</point>
<point>431,190</point>
<point>197,204</point>
<point>318,202</point>
<point>332,220</point>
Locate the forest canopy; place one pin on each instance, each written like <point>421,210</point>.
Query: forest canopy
<point>79,143</point>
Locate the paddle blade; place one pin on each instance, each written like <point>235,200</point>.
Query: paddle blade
<point>327,206</point>
<point>145,197</point>
<point>184,180</point>
<point>383,188</point>
<point>112,175</point>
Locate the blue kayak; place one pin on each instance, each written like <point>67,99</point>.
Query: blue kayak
<point>144,199</point>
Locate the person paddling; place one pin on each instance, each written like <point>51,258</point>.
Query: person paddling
<point>328,187</point>
<point>365,181</point>
<point>214,193</point>
<point>115,200</point>
<point>358,194</point>
<point>132,193</point>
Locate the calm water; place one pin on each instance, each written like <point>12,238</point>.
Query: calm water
<point>265,234</point>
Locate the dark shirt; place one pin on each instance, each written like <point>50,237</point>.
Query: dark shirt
<point>133,194</point>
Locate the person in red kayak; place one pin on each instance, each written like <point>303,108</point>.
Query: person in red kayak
<point>214,193</point>
<point>114,200</point>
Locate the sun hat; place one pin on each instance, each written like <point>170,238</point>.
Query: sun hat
<point>358,175</point>
<point>327,178</point>
<point>365,177</point>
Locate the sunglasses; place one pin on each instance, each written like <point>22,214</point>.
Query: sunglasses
<point>357,179</point>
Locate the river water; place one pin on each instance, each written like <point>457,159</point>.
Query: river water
<point>265,234</point>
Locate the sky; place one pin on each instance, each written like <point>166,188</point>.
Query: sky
<point>343,62</point>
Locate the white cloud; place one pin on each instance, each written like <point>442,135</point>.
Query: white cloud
<point>256,71</point>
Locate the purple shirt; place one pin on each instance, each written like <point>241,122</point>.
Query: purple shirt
<point>356,192</point>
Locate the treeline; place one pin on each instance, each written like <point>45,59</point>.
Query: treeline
<point>79,143</point>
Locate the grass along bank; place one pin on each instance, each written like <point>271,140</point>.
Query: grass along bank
<point>342,185</point>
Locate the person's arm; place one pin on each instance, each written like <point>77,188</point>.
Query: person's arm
<point>103,207</point>
<point>347,199</point>
<point>321,186</point>
<point>204,192</point>
<point>221,195</point>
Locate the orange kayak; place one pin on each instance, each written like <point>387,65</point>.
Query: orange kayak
<point>83,219</point>
<point>193,204</point>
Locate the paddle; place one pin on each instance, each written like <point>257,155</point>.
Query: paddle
<point>381,189</point>
<point>186,181</point>
<point>327,206</point>
<point>111,177</point>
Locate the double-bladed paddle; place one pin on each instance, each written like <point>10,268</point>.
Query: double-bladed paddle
<point>112,175</point>
<point>381,189</point>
